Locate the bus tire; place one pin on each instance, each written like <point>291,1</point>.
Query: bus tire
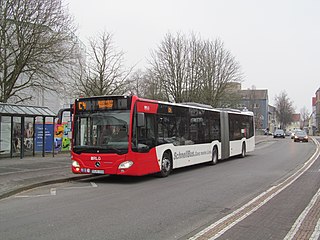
<point>243,150</point>
<point>214,157</point>
<point>166,165</point>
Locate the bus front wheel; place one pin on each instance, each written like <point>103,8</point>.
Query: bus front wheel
<point>166,165</point>
<point>243,151</point>
<point>214,159</point>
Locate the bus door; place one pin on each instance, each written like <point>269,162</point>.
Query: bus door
<point>225,143</point>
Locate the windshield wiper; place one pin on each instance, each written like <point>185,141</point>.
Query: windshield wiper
<point>101,149</point>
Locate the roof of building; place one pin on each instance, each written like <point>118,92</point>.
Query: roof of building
<point>261,94</point>
<point>296,117</point>
<point>22,110</point>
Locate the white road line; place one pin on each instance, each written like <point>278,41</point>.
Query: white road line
<point>92,184</point>
<point>296,226</point>
<point>53,191</point>
<point>316,234</point>
<point>238,215</point>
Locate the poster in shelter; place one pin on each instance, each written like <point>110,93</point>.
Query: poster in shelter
<point>39,137</point>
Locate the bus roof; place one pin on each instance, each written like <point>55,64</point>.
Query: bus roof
<point>184,104</point>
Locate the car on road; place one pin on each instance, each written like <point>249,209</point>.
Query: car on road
<point>293,133</point>
<point>279,133</point>
<point>301,136</point>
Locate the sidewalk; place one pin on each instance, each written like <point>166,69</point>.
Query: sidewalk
<point>17,175</point>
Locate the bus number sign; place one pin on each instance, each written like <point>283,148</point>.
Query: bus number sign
<point>82,106</point>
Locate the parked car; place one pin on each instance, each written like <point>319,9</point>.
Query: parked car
<point>279,133</point>
<point>301,136</point>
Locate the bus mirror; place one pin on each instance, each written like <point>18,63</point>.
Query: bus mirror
<point>140,120</point>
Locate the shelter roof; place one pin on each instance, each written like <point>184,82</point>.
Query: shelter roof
<point>23,110</point>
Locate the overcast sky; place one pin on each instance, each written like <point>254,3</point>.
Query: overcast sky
<point>276,42</point>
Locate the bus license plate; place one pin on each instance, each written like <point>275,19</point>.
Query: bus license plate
<point>94,171</point>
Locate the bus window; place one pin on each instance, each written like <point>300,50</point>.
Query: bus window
<point>167,129</point>
<point>146,133</point>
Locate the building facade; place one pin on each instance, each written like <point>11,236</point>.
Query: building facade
<point>256,100</point>
<point>317,110</point>
<point>272,118</point>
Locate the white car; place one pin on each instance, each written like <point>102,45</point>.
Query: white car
<point>279,133</point>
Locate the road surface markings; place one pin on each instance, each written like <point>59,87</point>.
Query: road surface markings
<point>53,191</point>
<point>92,184</point>
<point>306,224</point>
<point>316,232</point>
<point>218,228</point>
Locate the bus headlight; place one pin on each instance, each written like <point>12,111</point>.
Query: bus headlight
<point>125,165</point>
<point>75,164</point>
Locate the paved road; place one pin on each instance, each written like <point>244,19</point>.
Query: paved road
<point>150,208</point>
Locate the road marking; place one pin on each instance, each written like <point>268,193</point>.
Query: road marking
<point>316,233</point>
<point>304,215</point>
<point>53,191</point>
<point>92,184</point>
<point>218,228</point>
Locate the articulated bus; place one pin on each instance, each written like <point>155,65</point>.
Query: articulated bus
<point>128,135</point>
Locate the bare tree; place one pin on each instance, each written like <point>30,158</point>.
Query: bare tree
<point>137,83</point>
<point>305,117</point>
<point>143,84</point>
<point>191,69</point>
<point>169,65</point>
<point>284,108</point>
<point>102,72</point>
<point>193,86</point>
<point>36,44</point>
<point>220,69</point>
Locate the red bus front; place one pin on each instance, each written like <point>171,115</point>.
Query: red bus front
<point>104,132</point>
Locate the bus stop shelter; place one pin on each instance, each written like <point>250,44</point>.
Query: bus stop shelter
<point>26,130</point>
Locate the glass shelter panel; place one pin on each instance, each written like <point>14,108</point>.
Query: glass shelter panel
<point>16,136</point>
<point>28,136</point>
<point>5,144</point>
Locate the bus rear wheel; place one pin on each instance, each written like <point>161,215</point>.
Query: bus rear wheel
<point>166,165</point>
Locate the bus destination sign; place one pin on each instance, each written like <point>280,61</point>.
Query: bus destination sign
<point>96,104</point>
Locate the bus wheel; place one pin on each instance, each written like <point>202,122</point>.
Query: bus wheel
<point>166,165</point>
<point>214,159</point>
<point>243,151</point>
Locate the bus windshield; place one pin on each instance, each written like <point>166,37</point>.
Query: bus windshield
<point>104,132</point>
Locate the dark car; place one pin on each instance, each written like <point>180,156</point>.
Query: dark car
<point>279,133</point>
<point>293,133</point>
<point>301,136</point>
